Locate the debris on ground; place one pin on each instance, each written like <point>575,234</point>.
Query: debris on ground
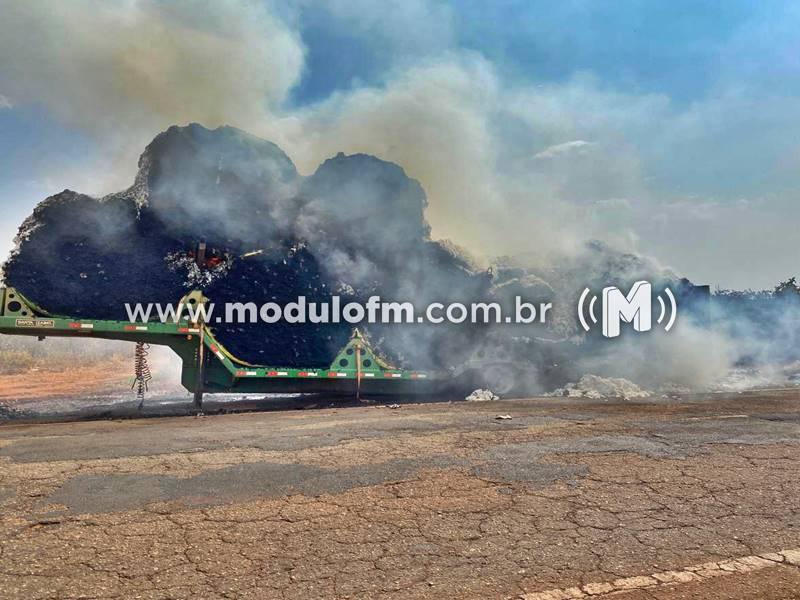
<point>594,386</point>
<point>393,406</point>
<point>503,417</point>
<point>480,395</point>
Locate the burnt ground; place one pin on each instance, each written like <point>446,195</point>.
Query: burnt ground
<point>568,499</point>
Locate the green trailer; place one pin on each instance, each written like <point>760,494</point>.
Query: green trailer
<point>209,367</point>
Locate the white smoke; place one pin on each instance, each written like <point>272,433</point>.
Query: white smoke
<point>123,70</point>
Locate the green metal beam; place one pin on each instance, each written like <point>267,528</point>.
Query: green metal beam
<point>354,366</point>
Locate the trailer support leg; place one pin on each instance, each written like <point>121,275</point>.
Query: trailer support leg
<point>200,376</point>
<point>358,372</point>
<point>198,401</point>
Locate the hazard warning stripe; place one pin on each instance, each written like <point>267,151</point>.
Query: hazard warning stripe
<point>215,349</point>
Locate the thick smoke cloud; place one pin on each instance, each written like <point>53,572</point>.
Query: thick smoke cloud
<point>123,70</point>
<point>480,150</point>
<point>473,134</point>
<point>102,65</point>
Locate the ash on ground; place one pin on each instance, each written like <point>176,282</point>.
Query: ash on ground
<point>596,387</point>
<point>482,396</point>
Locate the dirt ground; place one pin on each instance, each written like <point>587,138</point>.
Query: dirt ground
<point>567,499</point>
<point>106,377</point>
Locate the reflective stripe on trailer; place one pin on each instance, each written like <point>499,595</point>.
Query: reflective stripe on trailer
<point>392,375</point>
<point>135,327</point>
<point>188,330</point>
<point>418,376</point>
<point>307,374</point>
<point>336,374</point>
<point>277,374</point>
<point>368,374</point>
<point>246,373</point>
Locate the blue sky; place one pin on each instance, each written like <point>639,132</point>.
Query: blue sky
<point>669,128</point>
<point>650,46</point>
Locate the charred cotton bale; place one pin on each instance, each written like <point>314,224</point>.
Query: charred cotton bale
<point>85,257</point>
<point>224,186</point>
<point>354,228</point>
<point>279,275</point>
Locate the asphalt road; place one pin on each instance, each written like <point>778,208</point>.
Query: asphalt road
<point>567,499</point>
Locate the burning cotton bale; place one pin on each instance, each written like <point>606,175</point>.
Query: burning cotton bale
<point>365,216</point>
<point>85,257</point>
<point>356,228</point>
<point>279,275</point>
<point>224,186</point>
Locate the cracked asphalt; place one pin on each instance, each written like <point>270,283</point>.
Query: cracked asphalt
<point>697,498</point>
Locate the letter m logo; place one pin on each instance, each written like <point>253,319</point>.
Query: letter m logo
<point>634,308</point>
